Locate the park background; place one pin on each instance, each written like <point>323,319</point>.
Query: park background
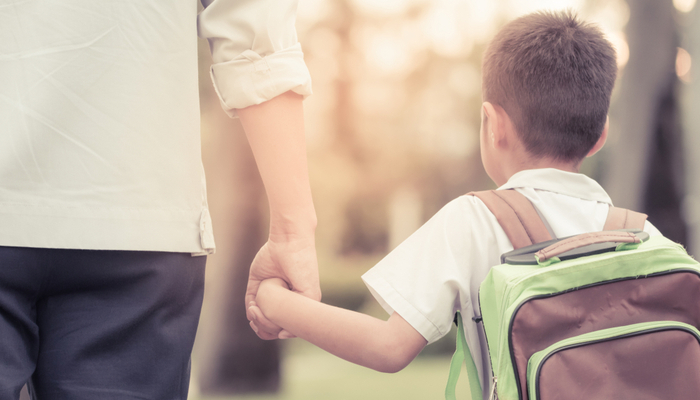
<point>392,133</point>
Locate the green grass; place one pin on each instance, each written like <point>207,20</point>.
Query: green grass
<point>311,373</point>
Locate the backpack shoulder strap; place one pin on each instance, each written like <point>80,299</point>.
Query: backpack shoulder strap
<point>516,215</point>
<point>621,218</point>
<point>461,356</point>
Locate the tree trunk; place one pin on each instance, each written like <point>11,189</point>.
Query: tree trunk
<point>645,172</point>
<point>241,362</point>
<point>230,358</point>
<point>691,138</point>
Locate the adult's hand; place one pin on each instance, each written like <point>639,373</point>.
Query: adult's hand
<point>292,259</point>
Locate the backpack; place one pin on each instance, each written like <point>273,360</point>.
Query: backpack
<point>603,315</point>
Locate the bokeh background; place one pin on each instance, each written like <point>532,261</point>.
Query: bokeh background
<point>392,133</point>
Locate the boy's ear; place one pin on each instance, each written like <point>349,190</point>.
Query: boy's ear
<point>495,115</point>
<point>601,140</point>
<point>487,119</point>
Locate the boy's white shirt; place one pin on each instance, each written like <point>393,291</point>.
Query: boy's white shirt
<point>437,270</point>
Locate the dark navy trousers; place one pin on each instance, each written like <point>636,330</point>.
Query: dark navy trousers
<point>86,324</point>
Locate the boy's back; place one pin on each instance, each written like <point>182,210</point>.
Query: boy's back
<point>438,270</point>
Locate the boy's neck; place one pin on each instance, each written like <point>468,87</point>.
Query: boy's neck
<point>526,162</point>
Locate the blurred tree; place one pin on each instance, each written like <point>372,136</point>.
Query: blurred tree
<point>402,112</point>
<point>233,360</point>
<point>645,169</point>
<point>691,138</point>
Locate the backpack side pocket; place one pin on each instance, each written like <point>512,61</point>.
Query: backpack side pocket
<point>650,360</point>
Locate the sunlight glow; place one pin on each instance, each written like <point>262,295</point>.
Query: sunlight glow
<point>684,6</point>
<point>479,21</point>
<point>683,63</point>
<point>516,8</point>
<point>619,42</point>
<point>442,26</point>
<point>385,7</point>
<point>312,11</point>
<point>389,51</point>
<point>378,98</point>
<point>611,16</point>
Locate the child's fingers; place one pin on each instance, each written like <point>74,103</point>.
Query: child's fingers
<point>262,334</point>
<point>262,323</point>
<point>254,314</point>
<point>285,335</point>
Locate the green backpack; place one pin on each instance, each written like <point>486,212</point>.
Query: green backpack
<point>604,315</point>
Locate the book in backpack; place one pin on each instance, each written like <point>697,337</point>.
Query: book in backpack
<point>602,315</point>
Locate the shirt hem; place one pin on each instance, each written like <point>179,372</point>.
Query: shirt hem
<point>392,301</point>
<point>62,232</point>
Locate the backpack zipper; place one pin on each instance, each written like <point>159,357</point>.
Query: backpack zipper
<point>492,394</point>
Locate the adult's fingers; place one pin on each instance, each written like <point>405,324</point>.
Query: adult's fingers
<point>285,335</point>
<point>251,292</point>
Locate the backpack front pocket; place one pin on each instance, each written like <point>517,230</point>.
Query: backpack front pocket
<point>650,360</point>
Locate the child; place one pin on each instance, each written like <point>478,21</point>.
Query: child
<point>546,88</point>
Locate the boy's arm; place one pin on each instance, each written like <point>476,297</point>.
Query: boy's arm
<point>386,346</point>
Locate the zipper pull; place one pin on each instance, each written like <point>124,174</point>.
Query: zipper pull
<point>492,394</point>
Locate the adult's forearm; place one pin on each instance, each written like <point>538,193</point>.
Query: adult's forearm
<point>275,131</point>
<point>386,346</point>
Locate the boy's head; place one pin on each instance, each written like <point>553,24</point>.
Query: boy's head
<point>553,76</point>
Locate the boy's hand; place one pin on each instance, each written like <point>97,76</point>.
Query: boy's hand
<point>295,262</point>
<point>262,326</point>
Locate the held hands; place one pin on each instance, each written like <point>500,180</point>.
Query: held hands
<point>265,299</point>
<point>294,261</point>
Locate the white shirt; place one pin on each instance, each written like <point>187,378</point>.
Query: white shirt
<point>437,270</point>
<point>99,114</point>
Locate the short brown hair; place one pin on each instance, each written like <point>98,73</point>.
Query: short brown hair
<point>553,75</point>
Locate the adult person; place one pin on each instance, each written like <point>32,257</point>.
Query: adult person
<point>104,224</point>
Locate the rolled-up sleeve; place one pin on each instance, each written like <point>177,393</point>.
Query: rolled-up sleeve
<point>255,51</point>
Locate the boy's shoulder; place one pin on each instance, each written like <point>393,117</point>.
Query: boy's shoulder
<point>466,232</point>
<point>568,203</point>
<point>545,188</point>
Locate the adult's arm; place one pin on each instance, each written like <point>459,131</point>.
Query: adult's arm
<point>385,346</point>
<point>259,74</point>
<point>255,52</point>
<point>275,131</point>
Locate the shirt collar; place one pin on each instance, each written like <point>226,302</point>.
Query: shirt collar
<point>558,181</point>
